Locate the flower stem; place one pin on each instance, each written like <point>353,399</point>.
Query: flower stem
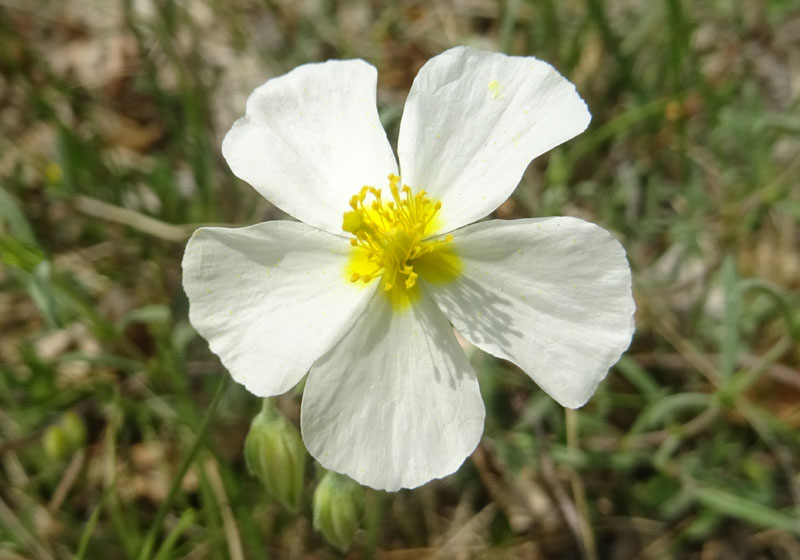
<point>589,544</point>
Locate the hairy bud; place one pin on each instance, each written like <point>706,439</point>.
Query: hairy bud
<point>338,509</point>
<point>275,454</point>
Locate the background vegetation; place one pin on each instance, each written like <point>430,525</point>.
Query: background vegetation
<point>111,116</point>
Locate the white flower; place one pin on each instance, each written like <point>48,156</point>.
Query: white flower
<point>363,290</point>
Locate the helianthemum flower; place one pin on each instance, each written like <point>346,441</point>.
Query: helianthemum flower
<point>361,293</point>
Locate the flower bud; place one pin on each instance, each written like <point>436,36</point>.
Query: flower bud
<point>275,454</point>
<point>338,508</point>
<point>65,437</point>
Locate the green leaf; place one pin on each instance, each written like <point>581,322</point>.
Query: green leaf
<point>741,508</point>
<point>12,217</point>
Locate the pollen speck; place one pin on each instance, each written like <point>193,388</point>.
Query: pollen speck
<point>494,89</point>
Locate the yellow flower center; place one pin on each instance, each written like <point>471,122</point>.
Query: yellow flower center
<point>392,240</point>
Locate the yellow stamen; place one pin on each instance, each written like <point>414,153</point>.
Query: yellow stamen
<point>392,240</point>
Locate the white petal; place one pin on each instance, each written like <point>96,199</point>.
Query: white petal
<point>311,139</point>
<point>552,295</point>
<point>270,299</point>
<point>474,120</point>
<point>395,403</point>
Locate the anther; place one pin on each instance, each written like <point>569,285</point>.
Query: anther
<point>390,234</point>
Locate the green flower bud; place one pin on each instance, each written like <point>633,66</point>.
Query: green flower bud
<point>65,437</point>
<point>338,508</point>
<point>75,429</point>
<point>55,443</point>
<point>275,454</point>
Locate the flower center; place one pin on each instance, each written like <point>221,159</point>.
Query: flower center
<point>392,237</point>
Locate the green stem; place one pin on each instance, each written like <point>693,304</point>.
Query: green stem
<point>150,539</point>
<point>579,491</point>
